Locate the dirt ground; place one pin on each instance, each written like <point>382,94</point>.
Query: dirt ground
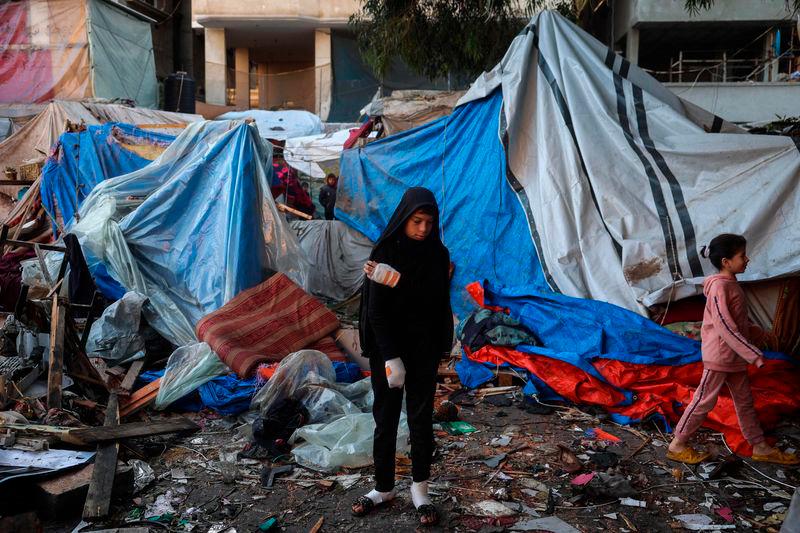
<point>529,481</point>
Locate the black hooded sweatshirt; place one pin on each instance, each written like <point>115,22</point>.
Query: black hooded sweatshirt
<point>412,320</point>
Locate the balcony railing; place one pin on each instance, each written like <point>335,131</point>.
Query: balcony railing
<point>719,68</point>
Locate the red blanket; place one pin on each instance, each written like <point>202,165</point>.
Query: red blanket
<point>264,324</point>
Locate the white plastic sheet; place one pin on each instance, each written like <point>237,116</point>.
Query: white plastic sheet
<point>306,153</point>
<point>342,427</point>
<point>115,335</point>
<point>336,254</point>
<point>187,368</point>
<point>279,125</point>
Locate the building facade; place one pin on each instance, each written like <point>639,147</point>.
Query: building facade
<point>736,59</point>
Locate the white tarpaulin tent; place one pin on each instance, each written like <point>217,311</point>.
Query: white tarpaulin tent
<point>279,125</point>
<point>306,153</point>
<point>623,182</point>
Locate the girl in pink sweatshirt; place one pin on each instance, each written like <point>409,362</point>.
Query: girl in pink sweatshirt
<point>728,345</point>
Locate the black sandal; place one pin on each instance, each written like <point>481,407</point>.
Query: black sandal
<point>367,506</point>
<point>428,515</point>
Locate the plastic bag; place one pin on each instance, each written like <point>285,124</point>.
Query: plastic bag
<point>115,335</point>
<point>32,275</point>
<point>299,369</point>
<point>346,442</point>
<point>187,368</point>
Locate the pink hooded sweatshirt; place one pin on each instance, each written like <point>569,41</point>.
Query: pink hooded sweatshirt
<point>727,331</point>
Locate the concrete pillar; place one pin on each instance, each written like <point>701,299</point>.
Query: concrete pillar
<point>262,86</point>
<point>215,65</point>
<point>323,73</point>
<point>632,46</point>
<point>242,62</point>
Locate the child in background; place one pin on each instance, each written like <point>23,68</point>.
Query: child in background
<point>728,348</point>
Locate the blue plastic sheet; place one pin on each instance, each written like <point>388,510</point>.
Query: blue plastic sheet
<point>461,159</point>
<point>193,228</point>
<point>226,395</point>
<point>346,372</point>
<point>82,160</point>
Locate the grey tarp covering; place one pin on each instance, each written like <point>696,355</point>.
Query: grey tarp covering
<point>336,253</point>
<point>115,335</point>
<point>623,182</point>
<point>121,51</point>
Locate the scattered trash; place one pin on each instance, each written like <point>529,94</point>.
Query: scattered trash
<point>726,513</point>
<point>774,507</point>
<point>548,523</point>
<point>143,474</point>
<point>605,485</point>
<point>505,440</point>
<point>458,428</point>
<point>490,508</point>
<point>582,479</point>
<point>569,462</point>
<point>611,516</point>
<point>630,502</point>
<point>495,460</point>
<point>599,434</point>
<point>701,522</point>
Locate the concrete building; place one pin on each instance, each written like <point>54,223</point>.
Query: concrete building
<point>282,54</point>
<point>735,59</point>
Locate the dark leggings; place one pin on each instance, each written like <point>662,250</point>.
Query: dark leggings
<point>420,387</point>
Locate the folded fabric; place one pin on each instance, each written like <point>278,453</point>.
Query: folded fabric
<point>265,324</point>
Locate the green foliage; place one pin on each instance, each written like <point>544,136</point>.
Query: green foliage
<point>437,37</point>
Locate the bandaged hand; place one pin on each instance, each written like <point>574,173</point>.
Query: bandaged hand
<point>395,373</point>
<point>382,273</point>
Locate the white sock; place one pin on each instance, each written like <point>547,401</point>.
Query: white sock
<point>380,497</point>
<point>419,494</point>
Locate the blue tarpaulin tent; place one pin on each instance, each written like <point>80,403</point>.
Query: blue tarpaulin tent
<point>461,159</point>
<point>82,160</point>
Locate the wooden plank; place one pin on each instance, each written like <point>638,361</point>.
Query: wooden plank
<point>286,209</point>
<point>98,500</point>
<point>130,377</point>
<point>56,367</point>
<point>95,309</point>
<point>141,398</point>
<point>133,429</point>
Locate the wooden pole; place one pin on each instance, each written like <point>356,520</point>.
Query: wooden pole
<point>56,365</point>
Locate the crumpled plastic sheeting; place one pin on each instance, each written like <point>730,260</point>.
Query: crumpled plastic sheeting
<point>187,368</point>
<point>344,442</point>
<point>279,125</point>
<point>32,274</point>
<point>341,432</point>
<point>336,254</point>
<point>293,373</point>
<point>115,335</point>
<point>183,230</point>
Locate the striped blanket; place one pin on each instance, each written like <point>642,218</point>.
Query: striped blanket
<point>266,323</point>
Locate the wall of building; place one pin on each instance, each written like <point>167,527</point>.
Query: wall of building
<point>742,102</point>
<point>630,13</point>
<point>312,11</point>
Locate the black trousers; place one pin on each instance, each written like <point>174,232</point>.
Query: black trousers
<point>420,388</point>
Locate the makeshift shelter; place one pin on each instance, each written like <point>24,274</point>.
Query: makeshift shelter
<point>279,125</point>
<point>83,159</point>
<point>35,139</point>
<point>403,110</point>
<point>308,154</point>
<point>625,229</point>
<point>195,205</point>
<point>571,178</point>
<point>75,49</point>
